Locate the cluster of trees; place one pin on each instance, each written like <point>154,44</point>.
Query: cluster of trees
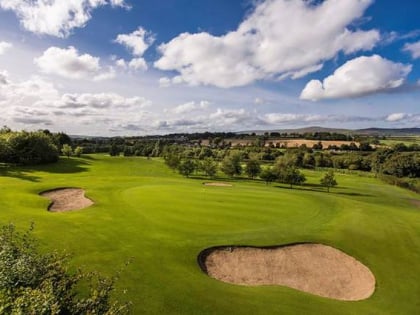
<point>399,161</point>
<point>35,147</point>
<point>68,151</point>
<point>27,148</point>
<point>32,282</point>
<point>232,165</point>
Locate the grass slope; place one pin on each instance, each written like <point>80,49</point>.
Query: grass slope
<point>145,211</point>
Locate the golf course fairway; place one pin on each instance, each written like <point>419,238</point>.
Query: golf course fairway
<point>145,212</point>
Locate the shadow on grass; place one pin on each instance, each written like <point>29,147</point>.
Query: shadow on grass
<point>63,166</point>
<point>321,189</point>
<point>16,173</point>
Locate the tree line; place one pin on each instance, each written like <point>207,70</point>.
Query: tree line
<point>233,165</point>
<point>34,147</point>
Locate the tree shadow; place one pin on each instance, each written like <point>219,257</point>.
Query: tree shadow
<point>63,166</point>
<point>87,157</point>
<point>321,189</point>
<point>16,173</point>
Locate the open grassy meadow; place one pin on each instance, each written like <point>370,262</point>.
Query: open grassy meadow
<point>146,211</point>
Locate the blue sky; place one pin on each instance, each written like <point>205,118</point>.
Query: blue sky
<point>125,67</point>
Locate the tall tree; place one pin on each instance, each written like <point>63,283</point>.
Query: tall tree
<point>231,165</point>
<point>253,168</point>
<point>292,176</point>
<point>172,159</point>
<point>186,167</point>
<point>209,166</point>
<point>268,175</point>
<point>328,180</point>
<point>67,150</point>
<point>78,151</point>
<point>114,150</point>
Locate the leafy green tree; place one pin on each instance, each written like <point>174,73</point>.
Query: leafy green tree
<point>268,175</point>
<point>173,160</point>
<point>308,160</point>
<point>5,150</point>
<point>317,146</point>
<point>78,151</point>
<point>30,148</point>
<point>403,165</point>
<point>209,166</point>
<point>5,130</point>
<point>231,165</point>
<point>253,168</point>
<point>114,149</point>
<point>67,150</point>
<point>186,167</point>
<point>292,176</point>
<point>328,180</point>
<point>32,282</point>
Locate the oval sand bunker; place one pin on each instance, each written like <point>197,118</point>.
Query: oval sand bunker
<point>314,268</point>
<point>66,199</point>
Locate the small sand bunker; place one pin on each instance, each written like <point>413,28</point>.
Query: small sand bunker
<point>313,268</point>
<point>218,184</point>
<point>66,199</point>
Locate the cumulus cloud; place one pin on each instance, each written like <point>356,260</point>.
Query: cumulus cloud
<point>400,117</point>
<point>67,63</point>
<point>294,118</point>
<point>165,82</point>
<point>100,100</point>
<point>230,117</point>
<point>358,77</point>
<point>396,117</point>
<point>17,93</point>
<point>121,63</point>
<point>33,121</point>
<point>279,39</point>
<point>189,107</point>
<point>4,46</point>
<point>55,17</point>
<point>137,64</point>
<point>137,42</point>
<point>413,49</point>
<point>278,118</point>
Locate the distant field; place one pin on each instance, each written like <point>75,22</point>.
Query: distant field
<point>290,143</point>
<point>144,210</point>
<point>390,141</point>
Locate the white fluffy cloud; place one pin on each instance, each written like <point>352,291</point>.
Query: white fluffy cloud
<point>396,117</point>
<point>55,17</point>
<point>280,38</point>
<point>402,117</point>
<point>137,42</point>
<point>278,118</point>
<point>4,46</point>
<point>414,49</point>
<point>100,100</point>
<point>17,93</point>
<point>67,63</point>
<point>138,64</point>
<point>190,106</point>
<point>358,77</point>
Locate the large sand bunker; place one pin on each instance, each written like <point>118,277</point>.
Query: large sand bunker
<point>314,268</point>
<point>66,199</point>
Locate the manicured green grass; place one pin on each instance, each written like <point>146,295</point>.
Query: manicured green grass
<point>144,210</point>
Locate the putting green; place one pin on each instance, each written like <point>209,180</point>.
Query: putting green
<point>144,210</point>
